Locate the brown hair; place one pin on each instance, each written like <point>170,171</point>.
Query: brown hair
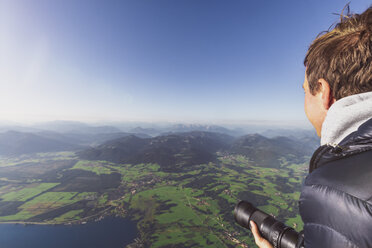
<point>343,56</point>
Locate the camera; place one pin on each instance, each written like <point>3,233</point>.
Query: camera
<point>278,234</point>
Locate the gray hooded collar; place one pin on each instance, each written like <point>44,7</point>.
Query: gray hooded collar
<point>345,116</point>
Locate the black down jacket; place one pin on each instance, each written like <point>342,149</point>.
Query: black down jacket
<point>336,198</point>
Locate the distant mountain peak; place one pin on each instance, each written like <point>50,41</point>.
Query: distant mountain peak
<point>172,152</point>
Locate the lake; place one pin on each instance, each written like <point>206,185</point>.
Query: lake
<point>109,232</point>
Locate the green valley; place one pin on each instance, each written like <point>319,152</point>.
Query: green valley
<point>188,207</point>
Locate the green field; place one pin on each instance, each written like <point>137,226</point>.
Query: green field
<point>97,167</point>
<point>71,215</point>
<point>28,192</point>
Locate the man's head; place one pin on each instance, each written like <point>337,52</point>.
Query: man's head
<point>338,63</point>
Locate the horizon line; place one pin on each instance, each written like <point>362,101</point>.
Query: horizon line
<point>241,122</point>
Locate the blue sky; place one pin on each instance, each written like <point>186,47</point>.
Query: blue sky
<point>158,60</point>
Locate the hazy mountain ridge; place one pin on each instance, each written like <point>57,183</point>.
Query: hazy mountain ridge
<point>178,144</point>
<point>294,132</point>
<point>148,131</point>
<point>184,128</point>
<point>61,127</point>
<point>175,151</point>
<point>170,151</point>
<point>268,152</point>
<point>16,143</point>
<point>179,128</point>
<point>88,139</point>
<point>155,129</point>
<point>75,127</point>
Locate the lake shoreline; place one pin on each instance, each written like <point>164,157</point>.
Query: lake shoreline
<point>69,223</point>
<point>111,232</point>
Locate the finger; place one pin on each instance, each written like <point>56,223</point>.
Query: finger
<point>256,233</point>
<point>260,241</point>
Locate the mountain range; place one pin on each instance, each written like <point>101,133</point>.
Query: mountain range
<point>16,143</point>
<point>172,151</point>
<point>176,147</point>
<point>181,150</point>
<point>267,152</point>
<point>13,143</point>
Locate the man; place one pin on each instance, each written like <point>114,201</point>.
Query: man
<point>336,198</point>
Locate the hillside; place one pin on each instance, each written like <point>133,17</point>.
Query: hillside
<point>182,150</point>
<point>172,152</point>
<point>269,152</point>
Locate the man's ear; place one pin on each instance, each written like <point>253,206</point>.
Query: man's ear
<point>325,90</point>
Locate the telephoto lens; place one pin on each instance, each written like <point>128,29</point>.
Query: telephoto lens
<point>278,234</point>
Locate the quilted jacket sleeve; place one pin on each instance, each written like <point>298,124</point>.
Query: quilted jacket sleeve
<point>335,204</point>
